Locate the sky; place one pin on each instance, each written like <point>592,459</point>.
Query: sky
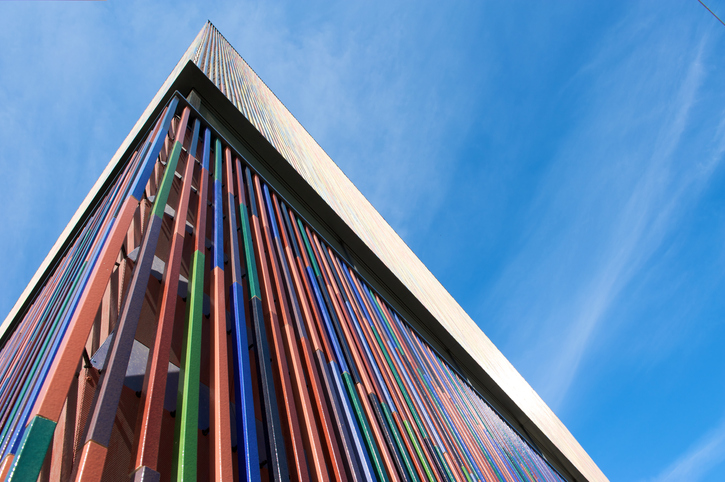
<point>559,167</point>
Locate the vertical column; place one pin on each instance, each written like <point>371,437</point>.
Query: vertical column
<point>291,429</point>
<point>187,401</point>
<point>275,449</point>
<point>148,425</point>
<point>221,445</point>
<point>247,452</point>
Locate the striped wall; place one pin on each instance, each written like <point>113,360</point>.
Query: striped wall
<point>198,328</point>
<point>232,75</point>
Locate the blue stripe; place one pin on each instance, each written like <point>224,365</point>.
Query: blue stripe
<point>218,230</point>
<point>250,189</point>
<point>328,326</point>
<point>207,149</point>
<point>270,212</point>
<point>247,451</point>
<point>139,184</point>
<point>195,138</point>
<point>362,453</point>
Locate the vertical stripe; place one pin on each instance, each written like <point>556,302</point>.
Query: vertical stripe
<point>276,450</point>
<point>184,464</point>
<point>152,398</point>
<point>247,452</point>
<point>220,430</point>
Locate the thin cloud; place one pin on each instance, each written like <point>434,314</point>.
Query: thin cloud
<point>618,186</point>
<point>699,460</point>
<point>642,226</point>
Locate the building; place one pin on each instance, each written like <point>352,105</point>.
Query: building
<point>225,303</point>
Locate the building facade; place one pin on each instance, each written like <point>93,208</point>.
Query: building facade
<point>226,305</point>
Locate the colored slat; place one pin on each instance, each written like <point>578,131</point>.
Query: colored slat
<point>354,315</point>
<point>295,450</point>
<point>247,452</point>
<point>291,317</point>
<point>220,430</point>
<point>332,451</point>
<point>340,366</point>
<point>184,464</point>
<point>376,445</point>
<point>105,404</point>
<point>154,392</point>
<point>276,451</point>
<point>324,353</point>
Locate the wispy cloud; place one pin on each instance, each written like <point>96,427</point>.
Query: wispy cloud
<point>73,81</point>
<point>621,181</point>
<point>648,213</point>
<point>699,460</point>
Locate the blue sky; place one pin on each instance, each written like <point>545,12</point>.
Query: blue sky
<point>557,165</point>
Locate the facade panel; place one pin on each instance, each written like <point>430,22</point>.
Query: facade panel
<point>195,321</point>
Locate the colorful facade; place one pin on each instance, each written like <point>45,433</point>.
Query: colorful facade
<point>225,305</point>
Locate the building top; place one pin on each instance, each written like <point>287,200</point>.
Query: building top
<point>227,70</point>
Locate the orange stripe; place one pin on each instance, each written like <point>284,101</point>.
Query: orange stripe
<point>362,367</point>
<point>292,435</point>
<point>220,423</point>
<point>332,451</point>
<point>90,466</point>
<point>148,426</point>
<point>55,389</point>
<point>5,466</point>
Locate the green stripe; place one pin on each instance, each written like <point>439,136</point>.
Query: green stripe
<point>249,253</point>
<point>30,381</point>
<point>399,442</point>
<point>421,457</point>
<point>32,450</point>
<point>187,405</point>
<point>468,476</point>
<point>374,455</point>
<point>309,249</point>
<point>218,161</point>
<point>162,195</point>
<point>444,463</point>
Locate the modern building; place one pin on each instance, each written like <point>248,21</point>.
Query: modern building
<point>226,305</point>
